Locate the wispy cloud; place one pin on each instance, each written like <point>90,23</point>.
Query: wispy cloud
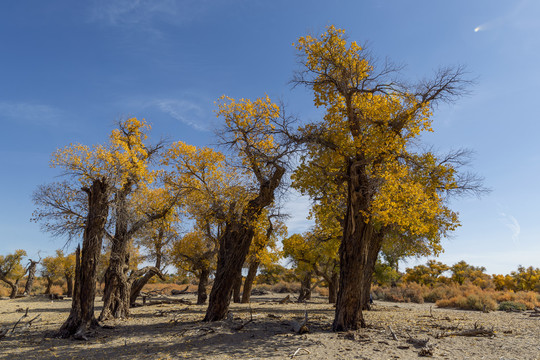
<point>36,114</point>
<point>185,111</point>
<point>511,223</point>
<point>144,13</point>
<point>511,17</point>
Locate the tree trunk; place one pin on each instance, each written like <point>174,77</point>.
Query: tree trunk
<point>81,317</point>
<point>236,287</point>
<point>248,283</point>
<point>117,291</point>
<point>332,288</point>
<point>234,247</point>
<point>31,277</point>
<point>69,285</point>
<point>138,279</point>
<point>360,241</point>
<point>305,287</point>
<point>49,285</point>
<point>203,284</point>
<point>139,283</point>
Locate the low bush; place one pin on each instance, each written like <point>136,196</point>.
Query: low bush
<point>512,306</point>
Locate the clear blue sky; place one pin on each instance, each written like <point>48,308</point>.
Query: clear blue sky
<point>69,70</point>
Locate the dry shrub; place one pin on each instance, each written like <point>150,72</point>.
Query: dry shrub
<point>283,287</point>
<point>4,290</point>
<point>323,291</point>
<point>167,288</point>
<point>441,291</point>
<point>469,302</point>
<point>410,293</point>
<point>57,290</point>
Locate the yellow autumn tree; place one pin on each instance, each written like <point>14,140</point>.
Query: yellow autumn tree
<point>11,270</point>
<point>368,141</point>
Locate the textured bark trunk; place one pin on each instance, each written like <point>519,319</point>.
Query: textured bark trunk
<point>305,287</point>
<point>360,240</point>
<point>14,289</point>
<point>117,291</point>
<point>203,284</point>
<point>69,282</point>
<point>332,288</point>
<point>248,283</point>
<point>233,249</point>
<point>49,285</point>
<point>368,274</point>
<point>31,277</point>
<point>82,316</point>
<point>236,287</point>
<point>234,246</point>
<point>139,283</point>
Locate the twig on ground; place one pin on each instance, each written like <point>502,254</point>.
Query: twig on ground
<point>392,333</point>
<point>298,350</point>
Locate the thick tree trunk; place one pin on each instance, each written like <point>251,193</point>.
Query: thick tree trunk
<point>233,249</point>
<point>234,246</point>
<point>49,285</point>
<point>31,277</point>
<point>305,287</point>
<point>368,275</point>
<point>332,288</point>
<point>236,287</point>
<point>203,284</point>
<point>360,241</point>
<point>248,283</point>
<point>139,283</point>
<point>117,291</point>
<point>69,285</point>
<point>82,316</point>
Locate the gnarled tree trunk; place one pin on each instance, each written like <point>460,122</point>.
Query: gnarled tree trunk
<point>31,277</point>
<point>236,287</point>
<point>234,247</point>
<point>360,241</point>
<point>69,282</point>
<point>305,287</point>
<point>203,284</point>
<point>82,316</point>
<point>248,282</point>
<point>332,288</point>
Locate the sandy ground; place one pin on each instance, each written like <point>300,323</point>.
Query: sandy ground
<point>176,332</point>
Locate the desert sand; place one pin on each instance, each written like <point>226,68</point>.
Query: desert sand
<point>264,330</point>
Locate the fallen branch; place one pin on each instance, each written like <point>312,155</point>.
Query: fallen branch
<point>394,336</point>
<point>419,343</point>
<point>298,350</point>
<point>301,328</point>
<point>477,331</point>
<point>241,326</point>
<point>285,300</point>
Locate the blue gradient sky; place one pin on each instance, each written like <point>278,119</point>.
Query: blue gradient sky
<point>68,72</point>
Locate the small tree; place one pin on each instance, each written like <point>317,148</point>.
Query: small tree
<point>11,270</point>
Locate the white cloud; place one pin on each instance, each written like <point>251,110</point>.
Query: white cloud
<point>297,207</point>
<point>143,13</point>
<point>511,223</point>
<point>185,111</point>
<point>37,114</point>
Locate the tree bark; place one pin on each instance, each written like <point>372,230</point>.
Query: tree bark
<point>360,241</point>
<point>234,247</point>
<point>49,285</point>
<point>248,283</point>
<point>236,287</point>
<point>81,317</point>
<point>31,277</point>
<point>203,284</point>
<point>116,294</point>
<point>332,288</point>
<point>69,285</point>
<point>136,282</point>
<point>305,287</point>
